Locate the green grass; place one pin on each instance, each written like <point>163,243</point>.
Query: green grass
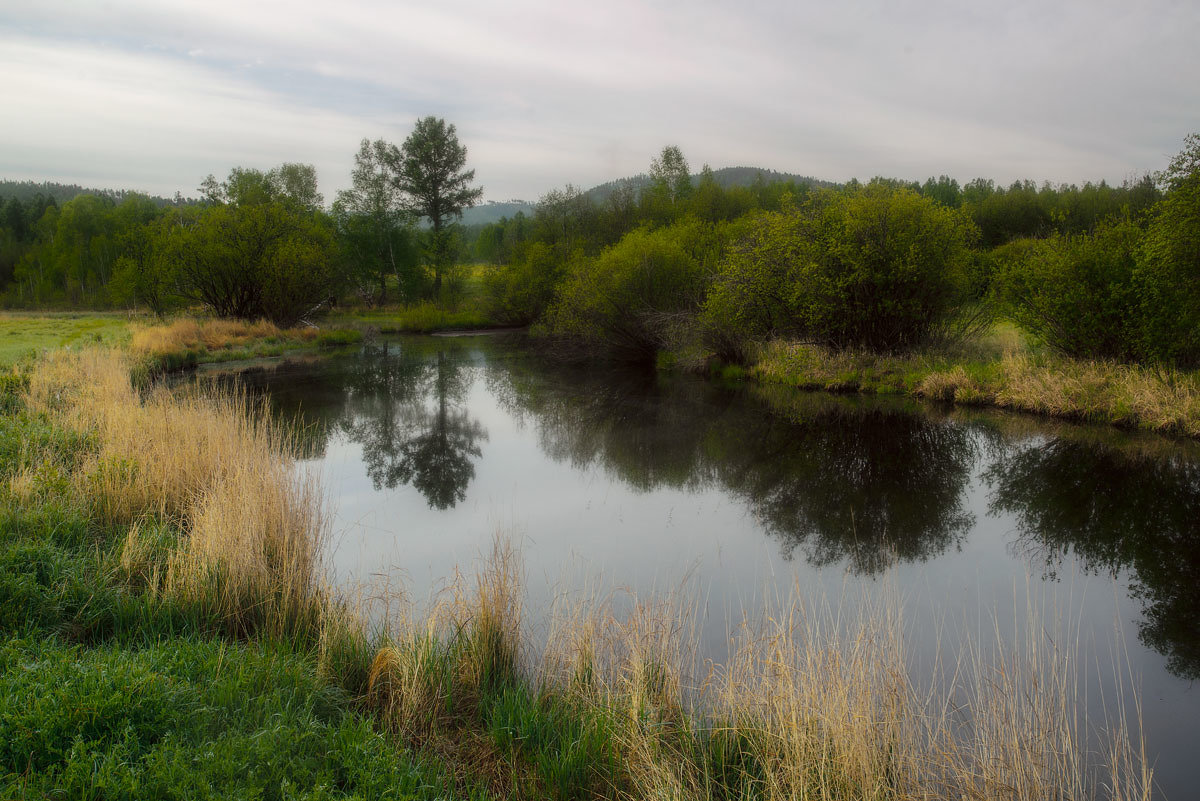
<point>187,718</point>
<point>572,750</point>
<point>420,318</point>
<point>107,691</point>
<point>23,333</point>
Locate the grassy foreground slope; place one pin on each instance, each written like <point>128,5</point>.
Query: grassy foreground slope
<point>166,630</point>
<point>112,685</point>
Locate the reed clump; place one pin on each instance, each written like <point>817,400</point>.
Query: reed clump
<point>211,467</point>
<point>822,704</point>
<point>187,341</point>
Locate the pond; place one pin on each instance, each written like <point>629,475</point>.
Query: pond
<point>621,479</point>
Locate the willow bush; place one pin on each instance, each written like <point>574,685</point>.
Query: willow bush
<point>875,267</point>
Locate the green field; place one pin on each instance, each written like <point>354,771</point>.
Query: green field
<point>25,333</point>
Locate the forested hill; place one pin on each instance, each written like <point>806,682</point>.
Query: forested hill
<point>725,177</point>
<point>26,191</point>
<point>489,212</point>
<point>493,211</point>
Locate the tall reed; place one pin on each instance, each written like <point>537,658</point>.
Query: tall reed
<point>190,334</point>
<point>214,467</point>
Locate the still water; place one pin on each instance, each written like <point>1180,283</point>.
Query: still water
<point>430,446</point>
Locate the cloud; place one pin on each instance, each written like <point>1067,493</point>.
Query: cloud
<point>157,95</point>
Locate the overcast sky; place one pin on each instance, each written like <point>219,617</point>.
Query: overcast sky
<point>155,94</point>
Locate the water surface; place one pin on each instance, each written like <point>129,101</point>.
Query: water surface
<point>639,480</point>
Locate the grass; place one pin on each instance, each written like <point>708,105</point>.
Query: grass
<point>165,630</point>
<point>187,341</point>
<point>117,681</point>
<point>1002,372</point>
<point>420,318</point>
<point>24,333</point>
<point>187,718</point>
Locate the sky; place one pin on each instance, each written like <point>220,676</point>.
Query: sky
<point>153,95</point>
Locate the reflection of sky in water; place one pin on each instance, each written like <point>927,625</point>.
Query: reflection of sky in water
<point>618,482</point>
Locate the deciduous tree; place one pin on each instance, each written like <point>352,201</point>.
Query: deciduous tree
<point>429,169</point>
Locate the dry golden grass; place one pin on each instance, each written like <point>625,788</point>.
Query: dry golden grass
<point>1155,399</point>
<point>820,704</point>
<point>210,465</point>
<point>191,335</point>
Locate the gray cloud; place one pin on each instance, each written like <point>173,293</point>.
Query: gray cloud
<point>155,95</point>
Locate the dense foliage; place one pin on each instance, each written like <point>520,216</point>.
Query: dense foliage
<point>257,244</point>
<point>1097,271</point>
<point>874,267</point>
<point>1093,271</point>
<point>629,299</point>
<point>1076,293</point>
<point>1168,270</point>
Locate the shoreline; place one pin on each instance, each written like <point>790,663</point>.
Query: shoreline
<point>213,556</point>
<point>1124,396</point>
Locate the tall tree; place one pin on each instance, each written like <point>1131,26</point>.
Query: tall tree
<point>429,170</point>
<point>373,225</point>
<point>670,184</point>
<point>297,183</point>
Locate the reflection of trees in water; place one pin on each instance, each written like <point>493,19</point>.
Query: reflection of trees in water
<point>404,440</point>
<point>832,478</point>
<point>403,404</point>
<point>864,488</point>
<point>622,421</point>
<point>1115,511</point>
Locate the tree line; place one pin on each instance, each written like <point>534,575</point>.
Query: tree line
<point>1097,271</point>
<point>258,244</point>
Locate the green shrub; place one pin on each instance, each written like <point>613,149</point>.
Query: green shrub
<point>1076,293</point>
<point>519,293</point>
<point>264,260</point>
<point>1168,270</point>
<point>629,299</point>
<point>875,267</point>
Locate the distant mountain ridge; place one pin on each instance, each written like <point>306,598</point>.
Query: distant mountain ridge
<point>726,177</point>
<point>495,210</point>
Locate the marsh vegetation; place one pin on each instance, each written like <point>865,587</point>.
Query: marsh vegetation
<point>204,584</point>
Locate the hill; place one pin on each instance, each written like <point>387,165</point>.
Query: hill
<point>26,191</point>
<point>493,210</point>
<point>725,177</point>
